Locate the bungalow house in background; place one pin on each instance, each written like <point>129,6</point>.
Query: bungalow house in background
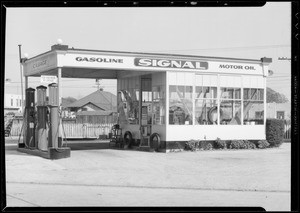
<point>98,107</point>
<point>279,110</point>
<point>12,103</point>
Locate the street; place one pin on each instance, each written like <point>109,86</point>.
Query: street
<point>97,176</point>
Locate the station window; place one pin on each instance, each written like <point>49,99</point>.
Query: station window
<point>205,105</point>
<point>180,105</point>
<point>128,101</point>
<point>253,102</point>
<point>230,106</point>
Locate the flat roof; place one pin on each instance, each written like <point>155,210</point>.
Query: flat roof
<point>151,54</point>
<point>84,63</point>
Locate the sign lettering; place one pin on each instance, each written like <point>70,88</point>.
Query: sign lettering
<point>230,66</point>
<point>101,60</point>
<point>144,62</point>
<point>39,63</point>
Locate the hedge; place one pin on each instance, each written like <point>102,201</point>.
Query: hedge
<point>220,144</point>
<point>275,132</point>
<point>262,144</point>
<point>241,144</point>
<point>194,145</point>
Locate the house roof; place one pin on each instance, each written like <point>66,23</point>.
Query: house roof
<point>102,99</point>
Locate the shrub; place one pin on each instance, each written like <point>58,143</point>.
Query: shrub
<point>208,146</point>
<point>235,144</point>
<point>241,144</point>
<point>262,144</point>
<point>250,145</point>
<point>274,132</point>
<point>192,145</point>
<point>220,144</point>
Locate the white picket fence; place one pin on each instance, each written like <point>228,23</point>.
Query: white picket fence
<point>287,131</point>
<point>74,130</point>
<point>16,129</point>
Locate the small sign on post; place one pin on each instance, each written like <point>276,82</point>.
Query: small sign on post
<point>48,79</point>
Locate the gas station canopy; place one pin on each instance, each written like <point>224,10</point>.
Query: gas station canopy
<point>81,63</point>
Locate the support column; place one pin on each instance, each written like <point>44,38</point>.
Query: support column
<point>24,111</point>
<point>218,100</point>
<point>59,86</point>
<point>26,82</point>
<point>242,102</point>
<point>59,101</point>
<point>26,87</point>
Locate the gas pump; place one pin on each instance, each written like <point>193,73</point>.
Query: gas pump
<point>29,119</point>
<point>36,130</point>
<point>41,128</point>
<point>54,116</point>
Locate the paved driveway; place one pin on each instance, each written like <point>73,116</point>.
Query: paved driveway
<point>98,176</point>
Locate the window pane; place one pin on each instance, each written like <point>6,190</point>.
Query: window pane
<point>206,112</point>
<point>180,108</point>
<point>253,112</point>
<point>237,93</point>
<point>128,107</point>
<point>199,92</point>
<point>253,95</point>
<point>230,112</point>
<point>172,92</point>
<point>180,112</point>
<point>188,92</point>
<point>227,93</point>
<point>214,92</point>
<point>246,93</point>
<point>180,91</point>
<point>260,94</point>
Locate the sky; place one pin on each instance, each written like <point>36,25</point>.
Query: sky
<point>237,32</point>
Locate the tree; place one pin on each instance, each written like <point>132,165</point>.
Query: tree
<point>273,96</point>
<point>68,100</point>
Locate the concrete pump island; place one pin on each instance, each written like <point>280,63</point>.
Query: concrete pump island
<point>162,99</point>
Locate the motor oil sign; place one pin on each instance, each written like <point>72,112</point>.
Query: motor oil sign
<point>240,67</point>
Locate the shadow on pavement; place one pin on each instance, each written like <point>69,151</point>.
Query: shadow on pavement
<point>12,145</point>
<point>11,149</point>
<point>87,145</point>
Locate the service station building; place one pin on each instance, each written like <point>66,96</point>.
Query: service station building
<point>174,97</point>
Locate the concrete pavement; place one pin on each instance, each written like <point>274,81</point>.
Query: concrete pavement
<point>98,176</point>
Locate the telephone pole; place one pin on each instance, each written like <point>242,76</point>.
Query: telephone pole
<point>21,73</point>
